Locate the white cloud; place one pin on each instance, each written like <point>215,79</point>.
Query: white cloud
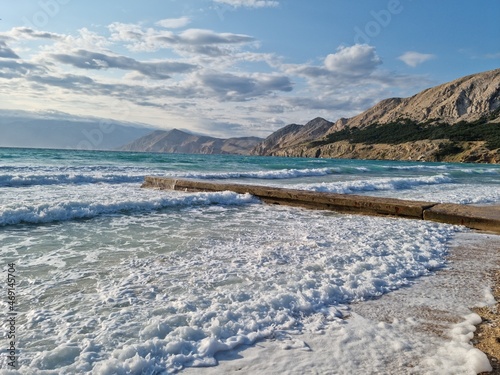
<point>174,23</point>
<point>241,87</point>
<point>96,61</point>
<point>126,32</point>
<point>24,33</point>
<point>345,83</point>
<point>413,59</point>
<point>10,69</point>
<point>249,3</point>
<point>201,36</point>
<point>357,60</point>
<point>197,41</point>
<point>6,52</point>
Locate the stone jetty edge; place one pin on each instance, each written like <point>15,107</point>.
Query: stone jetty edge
<point>486,218</point>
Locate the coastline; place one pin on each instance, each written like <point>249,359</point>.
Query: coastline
<point>436,312</point>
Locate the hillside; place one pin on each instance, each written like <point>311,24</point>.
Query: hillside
<point>455,121</point>
<point>177,141</point>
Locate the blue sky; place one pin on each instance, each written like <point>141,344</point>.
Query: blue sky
<point>236,67</point>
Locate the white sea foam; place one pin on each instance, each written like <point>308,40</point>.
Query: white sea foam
<point>453,193</point>
<point>86,175</point>
<point>458,355</point>
<point>419,167</point>
<point>266,175</point>
<point>12,214</point>
<point>375,184</point>
<point>11,180</point>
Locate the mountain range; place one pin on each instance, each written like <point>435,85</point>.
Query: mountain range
<point>457,121</point>
<point>177,141</point>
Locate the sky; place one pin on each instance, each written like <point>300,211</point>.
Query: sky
<point>235,67</point>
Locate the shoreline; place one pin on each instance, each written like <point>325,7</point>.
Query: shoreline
<point>419,323</point>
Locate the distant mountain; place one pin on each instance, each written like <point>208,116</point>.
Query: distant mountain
<point>177,141</point>
<point>33,130</point>
<point>455,121</point>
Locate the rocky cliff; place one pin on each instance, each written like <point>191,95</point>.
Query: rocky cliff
<point>177,141</point>
<point>428,150</point>
<point>474,100</point>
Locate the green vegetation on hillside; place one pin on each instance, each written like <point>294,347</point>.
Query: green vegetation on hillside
<point>410,131</point>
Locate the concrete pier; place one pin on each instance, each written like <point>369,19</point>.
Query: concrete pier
<point>483,218</point>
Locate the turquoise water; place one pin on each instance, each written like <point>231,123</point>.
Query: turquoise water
<point>117,279</point>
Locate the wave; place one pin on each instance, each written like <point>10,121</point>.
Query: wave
<point>71,169</point>
<point>450,168</point>
<point>48,178</point>
<point>34,176</point>
<point>266,175</point>
<point>13,180</point>
<point>418,167</point>
<point>350,187</point>
<point>318,172</point>
<point>73,210</point>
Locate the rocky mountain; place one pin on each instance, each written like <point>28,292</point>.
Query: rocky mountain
<point>292,135</point>
<point>430,125</point>
<point>464,99</point>
<point>177,141</point>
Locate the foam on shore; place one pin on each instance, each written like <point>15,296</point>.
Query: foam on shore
<point>185,285</point>
<point>425,329</point>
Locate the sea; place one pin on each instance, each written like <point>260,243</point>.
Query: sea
<point>109,278</point>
